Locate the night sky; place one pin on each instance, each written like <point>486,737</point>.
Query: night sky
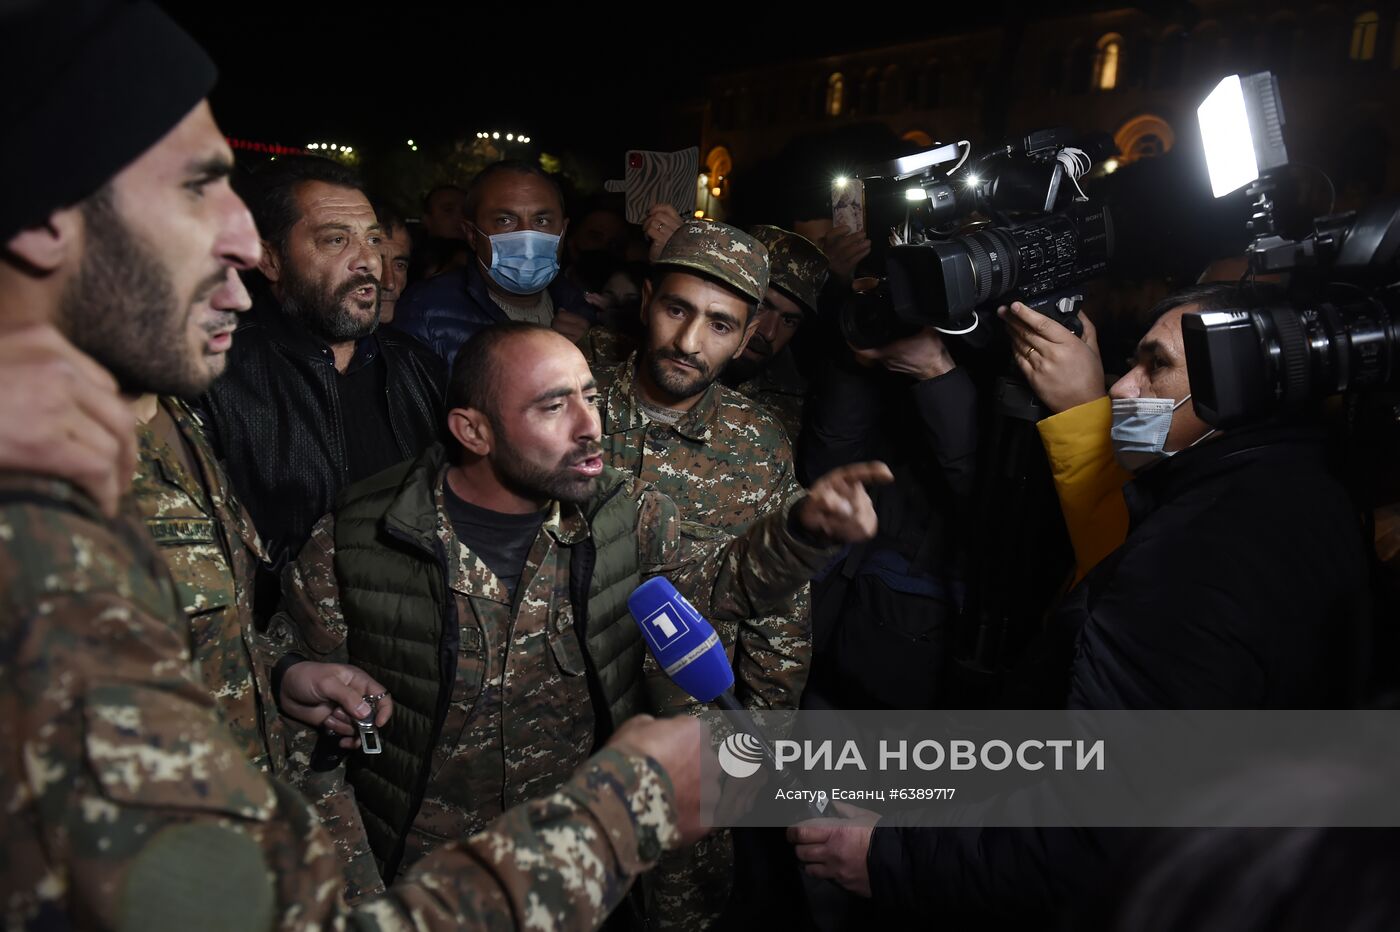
<point>373,77</point>
<point>295,73</point>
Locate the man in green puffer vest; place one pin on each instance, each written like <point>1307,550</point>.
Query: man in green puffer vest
<point>487,589</point>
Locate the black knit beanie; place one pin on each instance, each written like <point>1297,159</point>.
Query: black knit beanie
<point>86,86</point>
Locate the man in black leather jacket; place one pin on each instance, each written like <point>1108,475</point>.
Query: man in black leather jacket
<point>316,398</point>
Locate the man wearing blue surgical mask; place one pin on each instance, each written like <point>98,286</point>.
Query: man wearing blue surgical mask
<point>514,221</point>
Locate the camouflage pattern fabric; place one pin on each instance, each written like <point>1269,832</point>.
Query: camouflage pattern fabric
<point>781,391</point>
<point>725,463</point>
<point>211,549</point>
<point>726,578</point>
<point>337,808</point>
<point>795,264</point>
<point>720,251</point>
<point>605,347</point>
<point>520,719</point>
<point>799,269</point>
<point>131,805</point>
<point>520,716</point>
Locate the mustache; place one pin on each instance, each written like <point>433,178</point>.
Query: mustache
<point>760,345</point>
<point>226,320</point>
<point>355,284</point>
<point>583,452</point>
<point>690,360</point>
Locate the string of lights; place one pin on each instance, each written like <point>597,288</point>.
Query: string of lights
<point>509,137</point>
<point>268,148</point>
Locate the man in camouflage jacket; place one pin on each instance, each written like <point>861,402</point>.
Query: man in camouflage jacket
<point>212,549</point>
<point>131,804</point>
<point>139,810</point>
<point>725,462</point>
<point>767,372</point>
<point>506,672</point>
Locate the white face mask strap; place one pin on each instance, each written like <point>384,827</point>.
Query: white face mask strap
<point>1202,437</point>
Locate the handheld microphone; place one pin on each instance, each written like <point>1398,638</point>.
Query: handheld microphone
<point>683,642</point>
<point>689,651</point>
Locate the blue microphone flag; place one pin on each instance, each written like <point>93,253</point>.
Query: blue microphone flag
<point>684,643</point>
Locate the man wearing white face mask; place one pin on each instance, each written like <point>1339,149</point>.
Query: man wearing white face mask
<point>514,220</point>
<point>1095,442</point>
<point>1231,561</point>
<point>1237,581</point>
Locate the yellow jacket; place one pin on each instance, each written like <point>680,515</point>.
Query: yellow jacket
<point>1088,480</point>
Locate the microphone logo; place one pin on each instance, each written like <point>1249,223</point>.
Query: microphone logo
<point>740,755</point>
<point>664,626</point>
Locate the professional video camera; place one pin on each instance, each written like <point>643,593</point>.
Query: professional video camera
<point>1037,236</point>
<point>1342,330</point>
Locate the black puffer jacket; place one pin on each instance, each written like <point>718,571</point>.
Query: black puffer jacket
<point>274,419</point>
<point>1242,585</point>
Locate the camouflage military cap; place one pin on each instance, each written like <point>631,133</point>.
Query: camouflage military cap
<point>720,251</point>
<point>796,264</point>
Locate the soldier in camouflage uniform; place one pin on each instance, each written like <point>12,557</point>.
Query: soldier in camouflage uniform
<point>506,673</point>
<point>130,802</point>
<point>725,462</point>
<point>767,372</point>
<point>605,347</point>
<point>211,549</point>
<point>722,459</point>
<point>137,810</point>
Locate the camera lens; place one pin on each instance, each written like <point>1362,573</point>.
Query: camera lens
<point>940,283</point>
<point>994,262</point>
<point>1248,364</point>
<point>868,320</point>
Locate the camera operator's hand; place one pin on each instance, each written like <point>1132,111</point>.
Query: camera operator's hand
<point>844,249</point>
<point>681,745</point>
<point>658,226</point>
<point>1063,370</point>
<point>837,509</point>
<point>922,356</point>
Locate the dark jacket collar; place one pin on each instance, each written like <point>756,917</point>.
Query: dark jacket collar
<point>291,336</point>
<point>565,295</point>
<point>1240,449</point>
